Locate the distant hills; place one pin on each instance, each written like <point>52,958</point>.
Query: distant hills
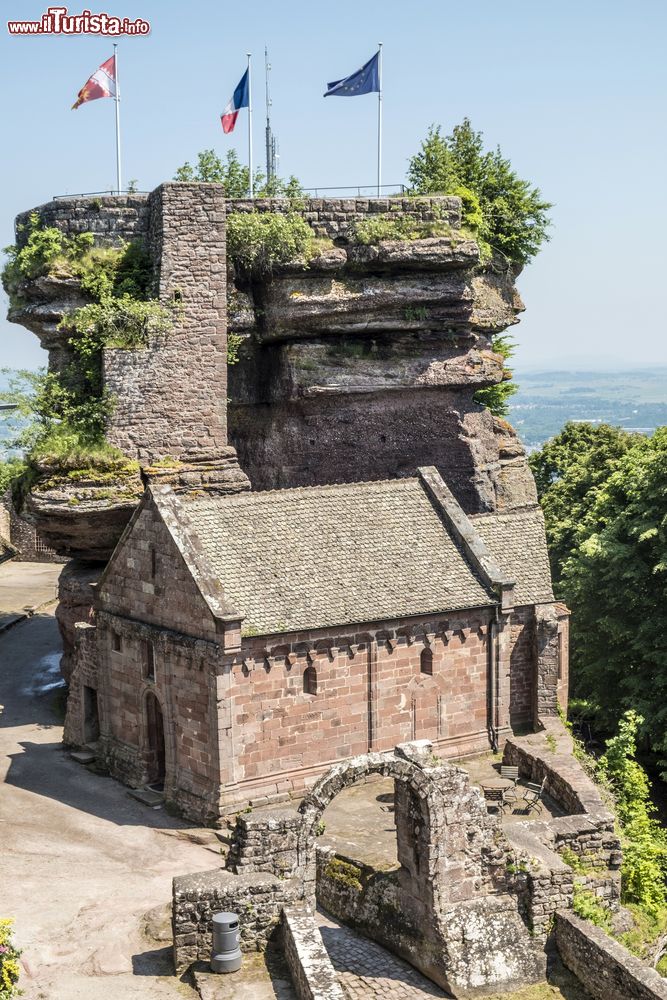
<point>635,400</point>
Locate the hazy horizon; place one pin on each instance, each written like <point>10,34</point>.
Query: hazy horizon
<point>573,94</point>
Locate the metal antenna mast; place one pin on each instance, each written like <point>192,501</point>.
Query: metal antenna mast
<point>270,138</point>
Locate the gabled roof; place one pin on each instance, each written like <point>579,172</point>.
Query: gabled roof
<point>325,556</point>
<point>517,541</point>
<point>322,556</point>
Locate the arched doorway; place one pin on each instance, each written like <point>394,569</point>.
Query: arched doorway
<point>155,757</point>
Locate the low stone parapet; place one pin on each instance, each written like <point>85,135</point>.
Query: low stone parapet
<point>549,754</point>
<point>335,218</point>
<point>312,973</point>
<point>604,967</point>
<point>258,900</point>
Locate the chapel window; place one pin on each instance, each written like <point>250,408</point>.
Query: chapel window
<point>310,680</point>
<point>149,661</point>
<point>426,660</point>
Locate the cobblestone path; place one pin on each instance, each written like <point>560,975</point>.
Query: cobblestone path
<point>366,970</point>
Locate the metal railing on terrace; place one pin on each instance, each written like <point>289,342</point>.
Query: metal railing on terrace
<point>346,191</point>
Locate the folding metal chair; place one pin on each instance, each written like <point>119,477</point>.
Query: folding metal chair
<point>510,795</point>
<point>494,798</point>
<point>533,795</point>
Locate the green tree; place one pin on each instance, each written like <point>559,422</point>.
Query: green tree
<point>644,840</point>
<point>568,471</point>
<point>514,220</point>
<point>615,582</point>
<point>497,397</point>
<point>235,177</point>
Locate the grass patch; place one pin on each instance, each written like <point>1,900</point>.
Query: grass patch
<point>381,228</point>
<point>587,905</point>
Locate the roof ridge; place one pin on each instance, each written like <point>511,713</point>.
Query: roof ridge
<point>524,509</point>
<point>257,494</point>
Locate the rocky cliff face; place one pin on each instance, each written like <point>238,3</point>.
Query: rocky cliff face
<point>360,364</point>
<point>363,364</point>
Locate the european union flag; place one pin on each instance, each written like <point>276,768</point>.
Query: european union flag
<point>365,81</point>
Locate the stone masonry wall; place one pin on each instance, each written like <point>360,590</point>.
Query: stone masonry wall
<point>265,842</point>
<point>371,694</point>
<point>452,908</point>
<point>274,737</point>
<point>27,541</point>
<point>114,218</point>
<point>258,900</point>
<point>604,967</point>
<point>548,754</point>
<point>588,831</point>
<point>149,596</point>
<point>111,218</point>
<point>563,615</point>
<point>522,659</point>
<point>334,217</point>
<point>547,657</point>
<point>310,967</point>
<point>85,675</point>
<point>171,397</point>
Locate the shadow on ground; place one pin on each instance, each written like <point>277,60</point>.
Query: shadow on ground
<point>32,699</point>
<point>156,962</point>
<point>364,960</point>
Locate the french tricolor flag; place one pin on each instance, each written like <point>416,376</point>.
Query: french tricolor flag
<point>240,99</point>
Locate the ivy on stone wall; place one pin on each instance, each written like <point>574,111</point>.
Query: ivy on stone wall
<point>69,408</point>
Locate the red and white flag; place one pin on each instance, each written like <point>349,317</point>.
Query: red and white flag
<point>239,99</point>
<point>101,84</point>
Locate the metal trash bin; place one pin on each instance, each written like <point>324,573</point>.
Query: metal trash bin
<point>225,953</point>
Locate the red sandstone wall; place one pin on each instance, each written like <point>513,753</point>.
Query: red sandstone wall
<point>371,694</point>
<point>170,598</point>
<point>166,609</point>
<point>522,673</point>
<point>564,655</point>
<point>241,725</point>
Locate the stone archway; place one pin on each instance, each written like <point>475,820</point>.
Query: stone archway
<point>451,910</point>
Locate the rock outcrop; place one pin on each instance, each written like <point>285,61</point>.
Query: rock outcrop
<point>363,364</point>
<point>360,363</point>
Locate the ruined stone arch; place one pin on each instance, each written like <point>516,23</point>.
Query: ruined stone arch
<point>348,773</point>
<point>443,830</point>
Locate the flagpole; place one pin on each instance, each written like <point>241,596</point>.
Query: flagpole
<point>118,173</point>
<point>252,185</point>
<point>379,118</point>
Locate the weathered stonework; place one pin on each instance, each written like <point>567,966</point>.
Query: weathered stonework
<point>258,900</point>
<point>453,884</point>
<point>170,410</point>
<point>382,343</point>
<point>604,967</point>
<point>587,830</point>
<point>385,344</point>
<point>313,976</point>
<point>240,723</point>
<point>21,539</point>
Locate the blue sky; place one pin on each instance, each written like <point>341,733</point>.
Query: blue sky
<point>573,92</point>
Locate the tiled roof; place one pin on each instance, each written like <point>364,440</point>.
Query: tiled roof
<point>518,544</point>
<point>332,555</point>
